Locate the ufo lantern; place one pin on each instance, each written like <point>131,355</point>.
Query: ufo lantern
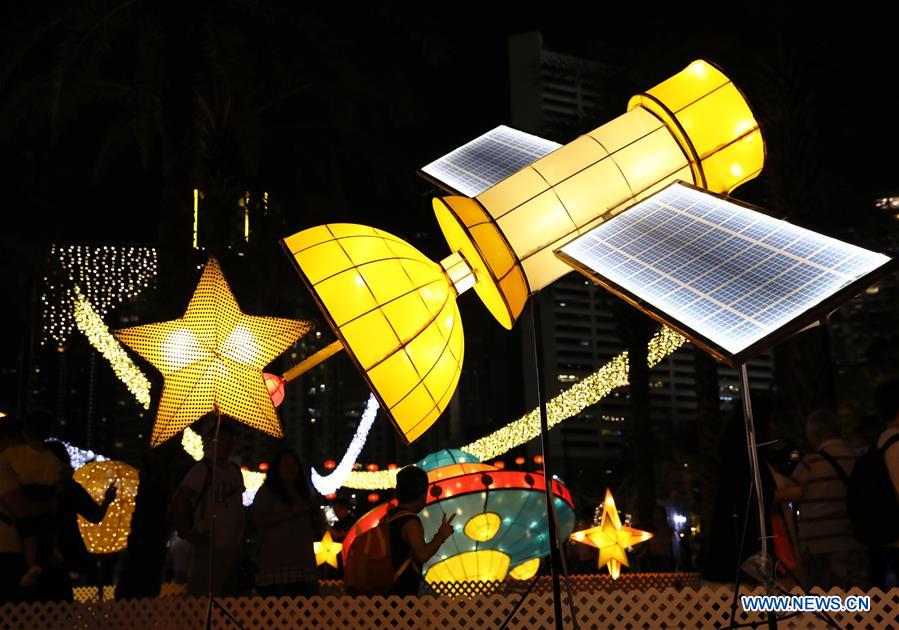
<point>500,525</point>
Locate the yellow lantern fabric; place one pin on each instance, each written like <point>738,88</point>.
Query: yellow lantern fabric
<point>712,121</point>
<point>395,312</point>
<point>482,527</point>
<point>212,359</point>
<point>695,127</point>
<point>611,538</point>
<point>482,565</point>
<point>526,570</point>
<point>111,534</point>
<point>326,550</point>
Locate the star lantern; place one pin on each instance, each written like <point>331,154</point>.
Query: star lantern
<point>326,551</point>
<point>611,538</point>
<point>212,359</point>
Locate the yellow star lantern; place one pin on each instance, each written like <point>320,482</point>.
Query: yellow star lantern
<point>611,538</point>
<point>393,310</point>
<point>110,534</point>
<point>327,550</point>
<point>212,359</point>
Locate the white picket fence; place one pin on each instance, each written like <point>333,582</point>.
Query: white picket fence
<point>705,607</point>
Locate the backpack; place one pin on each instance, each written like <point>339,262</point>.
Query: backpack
<point>369,566</point>
<point>871,497</point>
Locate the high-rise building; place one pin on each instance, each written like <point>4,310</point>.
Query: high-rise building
<point>559,96</point>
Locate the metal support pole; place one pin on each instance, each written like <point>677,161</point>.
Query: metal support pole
<point>754,465</point>
<point>555,551</point>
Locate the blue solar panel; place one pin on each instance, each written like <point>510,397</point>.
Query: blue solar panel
<point>729,273</point>
<point>488,159</point>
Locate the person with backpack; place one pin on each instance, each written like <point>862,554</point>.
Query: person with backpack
<point>408,549</point>
<point>387,559</point>
<point>885,461</point>
<point>194,505</point>
<point>830,554</point>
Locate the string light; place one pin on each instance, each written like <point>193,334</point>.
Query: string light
<point>568,404</point>
<point>107,275</point>
<point>91,324</point>
<point>252,481</point>
<point>192,443</point>
<point>110,534</point>
<point>80,456</point>
<point>337,478</point>
<point>196,231</point>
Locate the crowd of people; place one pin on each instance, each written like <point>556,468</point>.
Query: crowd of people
<point>219,546</point>
<point>41,549</point>
<point>814,537</point>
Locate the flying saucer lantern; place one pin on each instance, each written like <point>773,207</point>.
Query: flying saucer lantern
<point>500,520</point>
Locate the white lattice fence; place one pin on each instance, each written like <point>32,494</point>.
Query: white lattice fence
<point>707,607</point>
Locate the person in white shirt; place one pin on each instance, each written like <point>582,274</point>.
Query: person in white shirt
<point>831,554</point>
<point>195,504</point>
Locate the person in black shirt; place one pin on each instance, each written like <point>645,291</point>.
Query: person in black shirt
<point>74,500</point>
<point>408,549</point>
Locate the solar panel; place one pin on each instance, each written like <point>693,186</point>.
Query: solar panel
<point>487,160</point>
<point>728,277</point>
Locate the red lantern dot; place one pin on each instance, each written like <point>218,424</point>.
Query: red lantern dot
<point>391,466</point>
<point>538,459</point>
<point>499,464</point>
<point>372,468</point>
<point>263,466</point>
<point>331,497</point>
<point>330,464</point>
<point>519,460</point>
<point>374,497</point>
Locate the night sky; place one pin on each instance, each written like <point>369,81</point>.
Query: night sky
<point>332,110</point>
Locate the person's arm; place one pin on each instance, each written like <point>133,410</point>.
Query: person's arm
<point>20,506</point>
<point>794,485</point>
<point>184,501</point>
<point>86,506</point>
<point>182,512</point>
<point>17,504</point>
<point>414,534</point>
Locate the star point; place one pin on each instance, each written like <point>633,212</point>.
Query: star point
<point>212,359</point>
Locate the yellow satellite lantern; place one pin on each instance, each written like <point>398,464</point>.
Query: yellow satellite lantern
<point>394,310</point>
<point>110,534</point>
<point>212,359</point>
